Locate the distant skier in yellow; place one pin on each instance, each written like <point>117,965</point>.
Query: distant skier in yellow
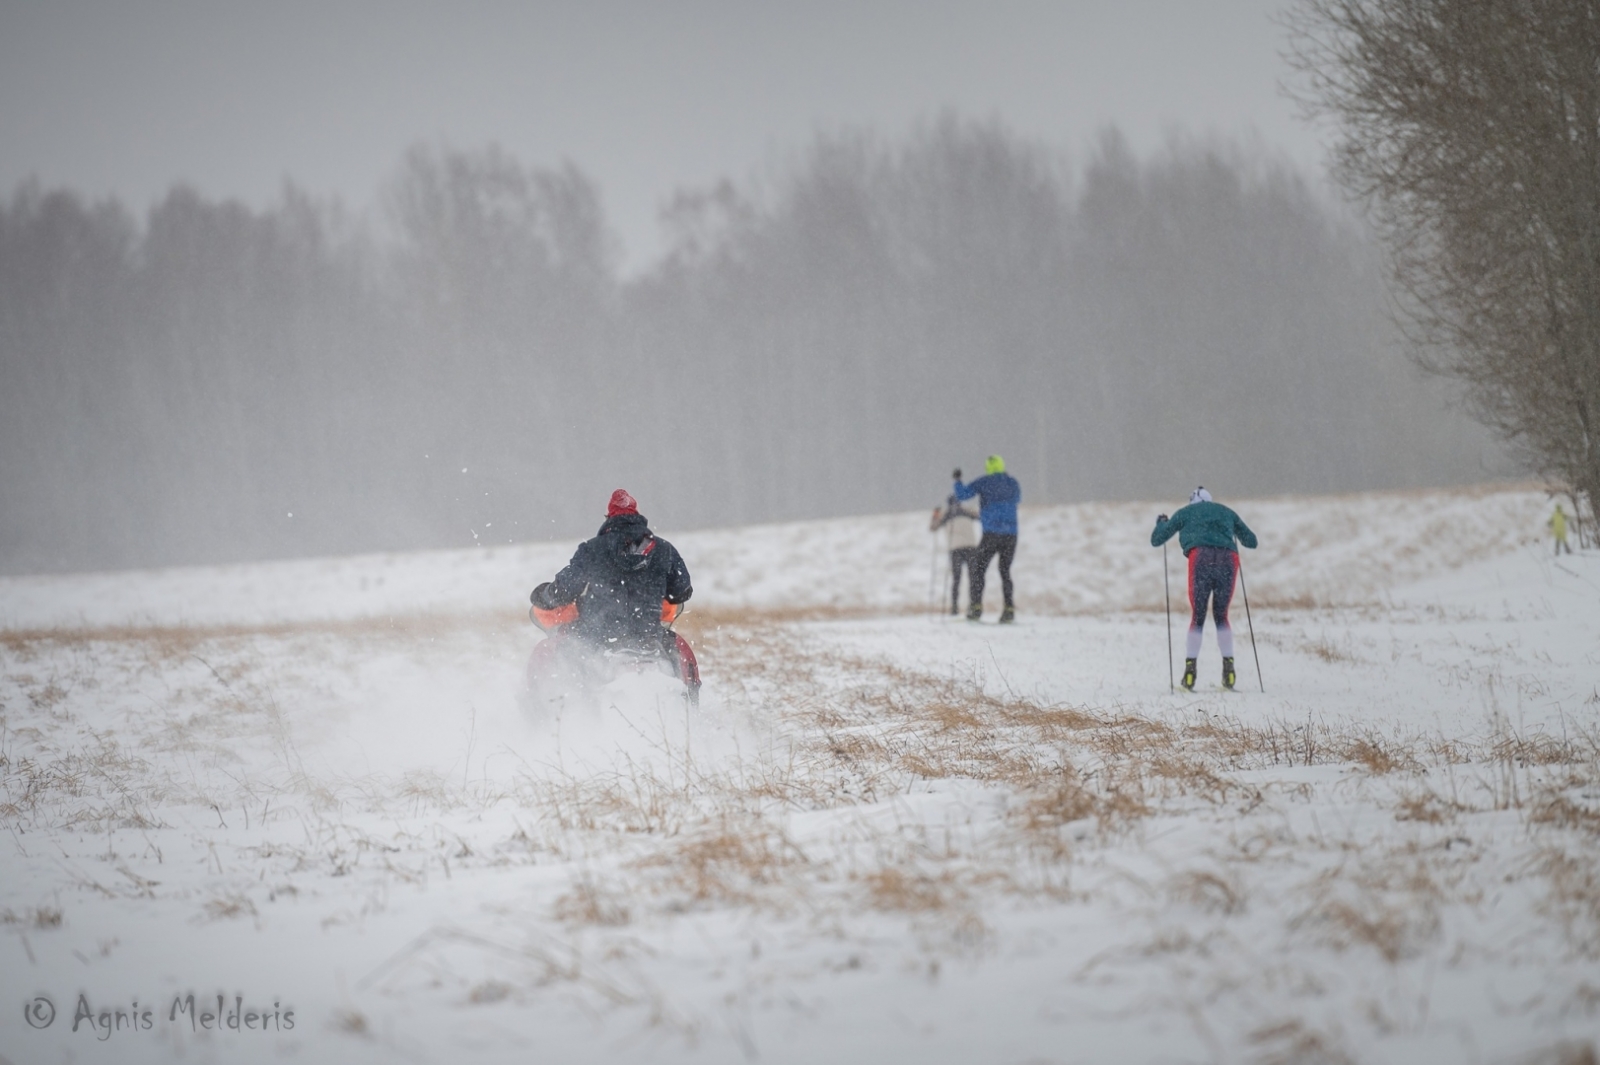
<point>1558,526</point>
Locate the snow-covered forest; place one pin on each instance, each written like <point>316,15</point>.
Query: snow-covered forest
<point>468,364</point>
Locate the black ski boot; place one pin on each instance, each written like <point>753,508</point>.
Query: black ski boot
<point>974,612</point>
<point>1007,616</point>
<point>1228,676</point>
<point>1189,673</point>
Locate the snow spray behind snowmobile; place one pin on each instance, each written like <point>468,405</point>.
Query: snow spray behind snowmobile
<point>565,664</point>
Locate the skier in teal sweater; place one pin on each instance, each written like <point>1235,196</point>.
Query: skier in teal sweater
<point>1207,531</point>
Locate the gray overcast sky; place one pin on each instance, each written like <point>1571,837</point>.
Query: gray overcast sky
<point>127,97</point>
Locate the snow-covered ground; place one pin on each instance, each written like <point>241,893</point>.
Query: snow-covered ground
<point>886,835</point>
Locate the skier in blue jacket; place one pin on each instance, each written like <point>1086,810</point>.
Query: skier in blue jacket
<point>1206,531</point>
<point>998,494</point>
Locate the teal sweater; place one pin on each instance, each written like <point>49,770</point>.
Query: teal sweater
<point>1203,525</point>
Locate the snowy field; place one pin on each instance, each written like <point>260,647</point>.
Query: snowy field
<point>885,836</point>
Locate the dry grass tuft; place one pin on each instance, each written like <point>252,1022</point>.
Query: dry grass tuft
<point>1293,1043</point>
<point>1379,757</point>
<point>1542,749</point>
<point>1426,807</point>
<point>1122,801</point>
<point>1325,649</point>
<point>228,907</point>
<point>587,903</point>
<point>1390,903</point>
<point>1563,812</point>
<point>95,786</point>
<point>1207,891</point>
<point>728,862</point>
<point>1187,774</point>
<point>1562,1053</point>
<point>490,991</point>
<point>1060,802</point>
<point>428,789</point>
<point>1573,896</point>
<point>1115,800</point>
<point>896,889</point>
<point>40,917</point>
<point>1385,929</point>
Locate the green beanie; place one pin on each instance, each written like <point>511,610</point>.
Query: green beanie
<point>994,464</point>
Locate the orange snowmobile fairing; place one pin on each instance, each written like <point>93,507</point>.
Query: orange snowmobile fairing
<point>550,620</point>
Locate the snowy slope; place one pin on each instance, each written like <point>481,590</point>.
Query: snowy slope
<point>887,835</point>
<point>1077,558</point>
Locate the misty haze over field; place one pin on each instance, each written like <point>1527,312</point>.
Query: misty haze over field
<point>475,359</point>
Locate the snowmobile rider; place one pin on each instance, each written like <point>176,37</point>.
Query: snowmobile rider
<point>619,580</point>
<point>1206,531</point>
<point>998,495</point>
<point>961,538</point>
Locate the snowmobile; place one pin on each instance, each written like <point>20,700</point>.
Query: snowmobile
<point>566,665</point>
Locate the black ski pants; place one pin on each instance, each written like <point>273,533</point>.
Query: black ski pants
<point>991,545</point>
<point>960,558</point>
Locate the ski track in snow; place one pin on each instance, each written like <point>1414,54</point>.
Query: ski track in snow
<point>886,834</point>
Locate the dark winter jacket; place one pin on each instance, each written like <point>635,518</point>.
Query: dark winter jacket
<point>1203,524</point>
<point>618,579</point>
<point>999,494</point>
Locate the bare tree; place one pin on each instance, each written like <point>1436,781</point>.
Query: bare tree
<point>1471,129</point>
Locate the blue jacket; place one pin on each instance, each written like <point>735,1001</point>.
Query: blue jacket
<point>1203,525</point>
<point>999,494</point>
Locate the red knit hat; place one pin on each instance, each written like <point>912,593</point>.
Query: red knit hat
<point>621,503</point>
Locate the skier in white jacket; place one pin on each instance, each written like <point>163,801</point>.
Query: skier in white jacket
<point>961,538</point>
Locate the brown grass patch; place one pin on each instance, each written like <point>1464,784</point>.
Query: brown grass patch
<point>1542,749</point>
<point>1061,801</point>
<point>1325,649</point>
<point>1562,812</point>
<point>1207,891</point>
<point>40,917</point>
<point>729,863</point>
<point>1385,929</point>
<point>1389,902</point>
<point>1573,896</point>
<point>1187,774</point>
<point>1379,756</point>
<point>228,907</point>
<point>1425,807</point>
<point>1293,1043</point>
<point>589,904</point>
<point>898,890</point>
<point>488,992</point>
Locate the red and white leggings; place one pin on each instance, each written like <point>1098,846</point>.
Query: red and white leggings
<point>1212,571</point>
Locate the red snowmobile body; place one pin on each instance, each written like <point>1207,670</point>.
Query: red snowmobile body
<point>563,663</point>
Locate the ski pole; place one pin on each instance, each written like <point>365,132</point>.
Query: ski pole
<point>933,575</point>
<point>1246,593</point>
<point>1166,586</point>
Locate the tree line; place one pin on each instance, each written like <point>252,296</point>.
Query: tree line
<point>1470,130</point>
<point>215,382</point>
